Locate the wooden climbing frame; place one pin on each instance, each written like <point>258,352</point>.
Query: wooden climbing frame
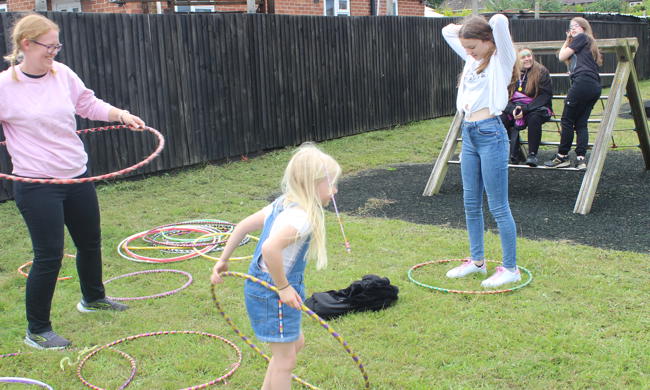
<point>625,80</point>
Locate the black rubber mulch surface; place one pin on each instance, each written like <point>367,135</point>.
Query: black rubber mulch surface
<point>542,201</point>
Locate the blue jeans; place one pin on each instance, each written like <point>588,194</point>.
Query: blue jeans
<point>484,165</point>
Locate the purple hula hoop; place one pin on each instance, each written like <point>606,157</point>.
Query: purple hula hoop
<point>160,295</point>
<point>26,381</point>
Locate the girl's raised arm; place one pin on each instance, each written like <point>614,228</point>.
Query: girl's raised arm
<point>505,48</point>
<point>450,33</point>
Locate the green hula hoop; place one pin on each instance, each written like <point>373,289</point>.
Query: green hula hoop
<point>475,292</point>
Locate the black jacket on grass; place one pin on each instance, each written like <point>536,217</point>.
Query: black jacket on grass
<point>370,293</point>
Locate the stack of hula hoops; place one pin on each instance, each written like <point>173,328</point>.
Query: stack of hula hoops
<point>179,241</point>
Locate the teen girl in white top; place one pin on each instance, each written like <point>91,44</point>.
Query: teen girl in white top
<point>490,57</point>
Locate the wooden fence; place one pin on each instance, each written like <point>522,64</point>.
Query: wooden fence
<point>223,85</point>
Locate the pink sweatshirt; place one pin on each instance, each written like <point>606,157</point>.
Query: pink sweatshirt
<point>38,119</point>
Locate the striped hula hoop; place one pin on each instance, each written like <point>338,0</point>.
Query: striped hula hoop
<point>475,292</point>
<point>305,309</point>
<point>123,385</point>
<point>247,238</point>
<point>125,251</point>
<point>222,378</point>
<point>147,160</point>
<point>170,240</point>
<point>152,271</point>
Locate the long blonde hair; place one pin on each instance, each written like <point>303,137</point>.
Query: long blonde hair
<point>306,169</point>
<point>533,76</point>
<point>30,26</point>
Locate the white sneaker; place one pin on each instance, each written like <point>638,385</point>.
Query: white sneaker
<point>467,268</point>
<point>500,277</point>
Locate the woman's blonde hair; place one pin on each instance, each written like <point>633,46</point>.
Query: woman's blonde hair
<point>595,52</point>
<point>533,76</point>
<point>306,169</point>
<point>30,26</point>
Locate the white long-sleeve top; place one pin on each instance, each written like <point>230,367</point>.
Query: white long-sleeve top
<point>490,87</point>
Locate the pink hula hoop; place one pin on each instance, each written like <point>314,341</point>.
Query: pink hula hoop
<point>156,152</point>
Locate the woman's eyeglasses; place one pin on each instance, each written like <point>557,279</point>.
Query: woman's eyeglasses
<point>50,48</point>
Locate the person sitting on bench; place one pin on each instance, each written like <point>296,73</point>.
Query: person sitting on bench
<point>529,106</point>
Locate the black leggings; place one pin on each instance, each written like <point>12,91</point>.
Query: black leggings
<point>46,208</point>
<point>582,96</point>
<point>534,121</point>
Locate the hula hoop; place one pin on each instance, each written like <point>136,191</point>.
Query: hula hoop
<point>482,292</point>
<point>26,381</point>
<point>21,269</point>
<point>203,254</point>
<point>303,308</point>
<point>159,295</point>
<point>172,241</point>
<point>222,378</point>
<point>147,160</point>
<point>124,251</point>
<point>126,382</point>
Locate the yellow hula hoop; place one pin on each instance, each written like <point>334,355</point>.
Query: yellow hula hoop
<point>216,258</point>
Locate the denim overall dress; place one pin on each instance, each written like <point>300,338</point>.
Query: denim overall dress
<point>273,321</point>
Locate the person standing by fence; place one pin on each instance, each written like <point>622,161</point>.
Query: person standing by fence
<point>490,57</point>
<point>39,98</point>
<point>583,57</point>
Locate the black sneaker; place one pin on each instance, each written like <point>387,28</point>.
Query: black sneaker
<point>558,162</point>
<point>46,340</point>
<point>99,305</point>
<point>532,161</point>
<point>581,164</point>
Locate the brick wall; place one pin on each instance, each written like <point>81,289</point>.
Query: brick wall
<point>357,7</point>
<point>287,7</point>
<point>22,5</point>
<point>299,7</point>
<point>410,8</point>
<point>105,6</point>
<point>86,6</point>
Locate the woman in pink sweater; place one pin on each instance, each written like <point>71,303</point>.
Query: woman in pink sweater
<point>39,98</point>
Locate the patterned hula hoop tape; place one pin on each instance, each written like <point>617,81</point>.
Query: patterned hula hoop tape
<point>306,310</point>
<point>222,378</point>
<point>203,254</point>
<point>217,225</point>
<point>123,385</point>
<point>147,160</point>
<point>25,381</point>
<point>21,269</point>
<point>152,271</point>
<point>482,292</point>
<point>124,250</point>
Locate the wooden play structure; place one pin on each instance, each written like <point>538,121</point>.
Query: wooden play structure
<point>625,81</point>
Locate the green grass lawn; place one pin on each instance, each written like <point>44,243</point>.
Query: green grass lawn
<point>583,322</point>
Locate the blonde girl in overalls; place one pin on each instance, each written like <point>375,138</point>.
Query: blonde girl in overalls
<point>293,230</point>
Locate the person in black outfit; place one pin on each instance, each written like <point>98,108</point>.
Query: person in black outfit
<point>531,93</point>
<point>583,58</point>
